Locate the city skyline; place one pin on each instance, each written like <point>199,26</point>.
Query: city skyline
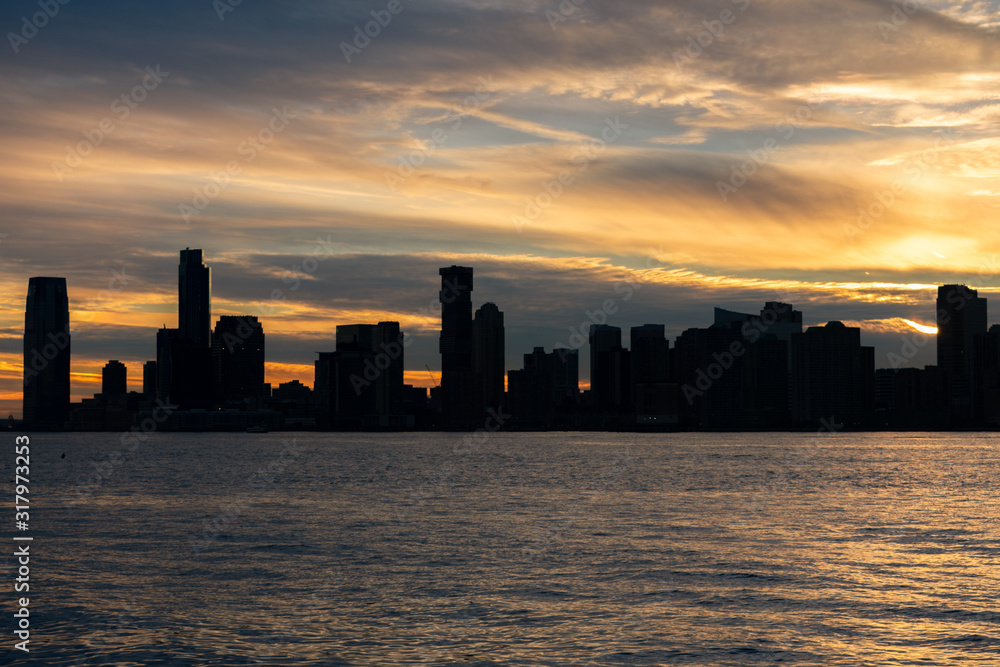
<point>744,371</point>
<point>851,183</point>
<point>910,350</point>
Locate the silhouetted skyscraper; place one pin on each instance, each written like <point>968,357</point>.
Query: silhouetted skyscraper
<point>605,367</point>
<point>166,340</point>
<point>194,305</point>
<point>961,316</point>
<point>457,404</point>
<point>46,354</point>
<point>654,397</point>
<point>833,376</point>
<point>191,372</point>
<point>361,384</point>
<point>488,357</point>
<point>238,359</point>
<point>150,376</point>
<point>114,378</point>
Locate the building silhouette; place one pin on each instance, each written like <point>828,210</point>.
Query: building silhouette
<point>150,376</point>
<point>114,379</point>
<point>47,340</point>
<point>961,316</point>
<point>191,367</point>
<point>458,409</point>
<point>360,384</point>
<point>833,376</point>
<point>654,396</point>
<point>543,394</point>
<point>488,362</point>
<point>238,361</point>
<point>166,341</point>
<point>610,367</point>
<point>194,304</point>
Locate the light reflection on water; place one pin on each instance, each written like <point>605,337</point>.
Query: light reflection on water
<point>534,549</point>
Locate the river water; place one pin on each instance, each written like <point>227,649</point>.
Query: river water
<point>514,549</point>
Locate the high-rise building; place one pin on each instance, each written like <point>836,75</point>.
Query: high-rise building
<point>961,316</point>
<point>606,369</point>
<point>654,397</point>
<point>191,367</point>
<point>165,342</point>
<point>833,376</point>
<point>194,305</point>
<point>150,375</point>
<point>457,383</point>
<point>488,357</point>
<point>361,383</point>
<point>46,354</point>
<point>238,360</point>
<point>114,378</point>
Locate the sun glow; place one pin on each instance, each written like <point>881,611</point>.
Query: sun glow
<point>922,328</point>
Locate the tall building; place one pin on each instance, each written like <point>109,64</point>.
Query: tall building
<point>607,367</point>
<point>488,352</point>
<point>833,376</point>
<point>166,340</point>
<point>961,316</point>
<point>654,397</point>
<point>457,381</point>
<point>361,383</point>
<point>191,367</point>
<point>238,360</point>
<point>149,379</point>
<point>46,354</point>
<point>566,382</point>
<point>114,379</point>
<point>194,305</point>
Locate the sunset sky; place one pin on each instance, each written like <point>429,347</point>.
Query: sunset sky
<point>667,156</point>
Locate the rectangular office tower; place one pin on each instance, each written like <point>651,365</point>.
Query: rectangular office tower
<point>238,361</point>
<point>457,383</point>
<point>961,316</point>
<point>191,372</point>
<point>194,304</point>
<point>46,354</point>
<point>488,358</point>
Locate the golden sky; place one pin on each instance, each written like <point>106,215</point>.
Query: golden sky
<point>842,156</point>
